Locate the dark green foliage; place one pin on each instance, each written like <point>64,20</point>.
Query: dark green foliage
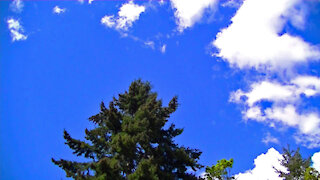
<point>220,171</point>
<point>129,141</point>
<point>298,168</point>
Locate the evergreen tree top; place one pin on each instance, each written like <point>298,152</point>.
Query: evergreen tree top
<point>130,141</point>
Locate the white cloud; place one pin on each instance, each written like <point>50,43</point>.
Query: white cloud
<point>188,12</point>
<point>277,92</point>
<point>90,1</point>
<point>285,99</point>
<point>254,38</point>
<point>264,167</point>
<point>16,6</point>
<point>270,139</point>
<point>16,30</point>
<point>265,90</point>
<point>58,10</point>
<point>163,48</point>
<point>128,13</point>
<point>316,161</point>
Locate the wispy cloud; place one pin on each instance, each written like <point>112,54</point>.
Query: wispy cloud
<point>270,139</point>
<point>58,10</point>
<point>150,44</point>
<point>16,6</point>
<point>232,3</point>
<point>163,48</point>
<point>16,30</point>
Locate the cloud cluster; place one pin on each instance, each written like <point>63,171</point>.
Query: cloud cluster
<point>255,37</point>
<point>188,12</point>
<point>16,30</point>
<point>128,13</point>
<point>285,99</point>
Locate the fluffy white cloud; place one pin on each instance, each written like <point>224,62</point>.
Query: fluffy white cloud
<point>265,90</point>
<point>254,38</point>
<point>16,6</point>
<point>285,100</point>
<point>58,10</point>
<point>150,44</point>
<point>16,30</point>
<point>316,161</point>
<point>128,13</point>
<point>188,12</point>
<point>264,167</point>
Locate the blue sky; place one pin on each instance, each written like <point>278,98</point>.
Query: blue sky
<point>246,74</point>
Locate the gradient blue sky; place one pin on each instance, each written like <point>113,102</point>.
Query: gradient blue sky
<point>55,78</point>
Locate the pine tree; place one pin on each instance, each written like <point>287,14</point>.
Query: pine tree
<point>130,141</point>
<point>297,167</point>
